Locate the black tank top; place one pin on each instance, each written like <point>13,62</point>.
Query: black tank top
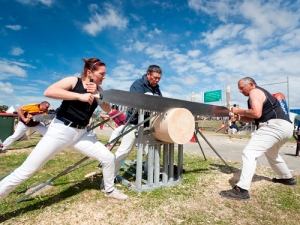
<point>271,109</point>
<point>75,110</point>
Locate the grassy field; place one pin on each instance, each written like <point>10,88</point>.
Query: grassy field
<point>76,199</point>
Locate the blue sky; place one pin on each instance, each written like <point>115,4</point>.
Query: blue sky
<point>200,45</point>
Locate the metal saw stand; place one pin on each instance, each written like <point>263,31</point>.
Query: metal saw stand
<point>197,131</point>
<point>155,176</point>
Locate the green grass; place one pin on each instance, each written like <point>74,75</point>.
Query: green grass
<point>195,201</point>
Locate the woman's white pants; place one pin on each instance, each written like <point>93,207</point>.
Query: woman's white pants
<point>57,138</point>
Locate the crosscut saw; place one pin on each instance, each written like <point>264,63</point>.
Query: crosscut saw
<point>159,104</point>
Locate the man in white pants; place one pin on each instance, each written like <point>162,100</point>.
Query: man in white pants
<point>274,128</point>
<point>148,84</point>
<point>25,122</point>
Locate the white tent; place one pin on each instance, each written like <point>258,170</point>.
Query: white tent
<point>11,109</point>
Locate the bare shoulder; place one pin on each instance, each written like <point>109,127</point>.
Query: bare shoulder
<point>67,82</point>
<point>256,91</point>
<point>70,79</point>
<point>257,94</point>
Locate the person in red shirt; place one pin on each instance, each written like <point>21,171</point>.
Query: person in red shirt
<point>119,120</point>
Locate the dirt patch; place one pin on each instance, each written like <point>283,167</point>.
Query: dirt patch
<point>17,151</point>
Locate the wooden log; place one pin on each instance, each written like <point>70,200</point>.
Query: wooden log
<point>177,125</point>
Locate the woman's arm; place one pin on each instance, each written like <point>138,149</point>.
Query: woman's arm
<point>61,90</point>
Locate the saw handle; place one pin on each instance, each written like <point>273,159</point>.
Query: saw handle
<point>88,106</point>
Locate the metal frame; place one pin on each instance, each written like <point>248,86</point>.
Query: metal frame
<point>157,176</point>
<point>197,131</point>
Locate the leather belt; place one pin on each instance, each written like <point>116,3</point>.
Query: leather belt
<point>70,123</point>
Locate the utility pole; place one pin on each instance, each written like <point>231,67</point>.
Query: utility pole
<point>288,96</point>
<point>193,97</point>
<point>228,122</point>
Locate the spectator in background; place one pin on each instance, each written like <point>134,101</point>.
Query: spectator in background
<point>51,111</point>
<point>222,127</point>
<point>297,132</point>
<point>25,123</point>
<point>120,120</point>
<point>233,128</point>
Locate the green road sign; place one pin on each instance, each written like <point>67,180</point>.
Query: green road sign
<point>213,96</point>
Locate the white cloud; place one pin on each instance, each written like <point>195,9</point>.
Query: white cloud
<point>173,88</point>
<point>157,31</point>
<point>12,69</point>
<point>109,17</point>
<point>222,33</point>
<point>187,33</point>
<point>16,51</point>
<point>92,7</point>
<point>140,46</point>
<point>186,80</point>
<point>178,59</point>
<point>22,64</point>
<point>126,71</point>
<point>6,87</point>
<point>135,17</point>
<point>43,82</point>
<point>292,38</point>
<point>194,53</point>
<point>136,46</point>
<point>263,19</point>
<point>269,16</point>
<point>159,51</point>
<point>122,76</point>
<point>34,2</point>
<point>14,27</point>
<point>46,2</point>
<point>221,8</point>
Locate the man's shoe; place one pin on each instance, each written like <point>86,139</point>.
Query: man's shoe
<point>289,181</point>
<point>102,187</point>
<point>117,194</point>
<point>236,193</point>
<point>1,149</point>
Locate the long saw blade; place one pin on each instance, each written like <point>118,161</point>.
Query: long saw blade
<point>160,104</point>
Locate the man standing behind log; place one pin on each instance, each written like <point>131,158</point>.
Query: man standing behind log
<point>273,130</point>
<point>148,84</point>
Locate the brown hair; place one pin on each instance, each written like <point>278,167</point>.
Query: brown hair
<point>91,64</point>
